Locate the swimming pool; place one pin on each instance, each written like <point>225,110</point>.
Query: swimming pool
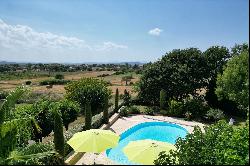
<point>160,131</point>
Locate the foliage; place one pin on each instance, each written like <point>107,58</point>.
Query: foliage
<point>196,107</point>
<point>105,112</point>
<point>162,99</point>
<point>133,110</point>
<point>214,114</point>
<point>3,94</point>
<point>69,110</point>
<point>43,115</point>
<point>175,108</point>
<point>233,84</point>
<point>116,99</point>
<point>149,111</point>
<point>14,132</point>
<point>89,90</point>
<point>179,73</point>
<point>54,82</point>
<point>59,76</point>
<point>88,116</point>
<point>36,154</point>
<point>239,48</point>
<point>220,144</point>
<point>58,132</point>
<point>123,111</point>
<point>28,83</point>
<point>126,97</point>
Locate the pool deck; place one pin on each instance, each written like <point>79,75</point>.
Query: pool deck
<point>123,124</point>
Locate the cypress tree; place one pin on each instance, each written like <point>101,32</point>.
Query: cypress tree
<point>58,133</point>
<point>116,99</point>
<point>162,99</point>
<point>88,116</point>
<point>105,111</point>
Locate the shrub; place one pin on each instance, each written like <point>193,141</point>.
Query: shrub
<point>59,76</point>
<point>126,97</point>
<point>105,112</point>
<point>175,108</point>
<point>149,111</point>
<point>214,114</point>
<point>28,83</point>
<point>188,115</point>
<point>220,144</point>
<point>133,110</point>
<point>123,111</point>
<point>54,82</point>
<point>196,107</point>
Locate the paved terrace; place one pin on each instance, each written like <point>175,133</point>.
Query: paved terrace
<point>123,124</point>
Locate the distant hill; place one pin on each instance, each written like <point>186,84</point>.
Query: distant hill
<point>5,62</point>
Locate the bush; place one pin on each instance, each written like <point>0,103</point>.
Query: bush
<point>124,111</point>
<point>220,144</point>
<point>175,108</point>
<point>133,110</point>
<point>196,107</point>
<point>214,114</point>
<point>54,82</point>
<point>28,83</point>
<point>149,111</point>
<point>59,76</point>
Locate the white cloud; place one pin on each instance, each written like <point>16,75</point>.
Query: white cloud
<point>24,36</point>
<point>155,32</point>
<point>107,46</point>
<point>23,43</point>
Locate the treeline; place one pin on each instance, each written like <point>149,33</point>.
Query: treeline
<point>55,67</point>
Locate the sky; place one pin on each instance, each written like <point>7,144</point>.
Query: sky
<point>78,31</point>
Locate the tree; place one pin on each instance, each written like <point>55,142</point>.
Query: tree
<point>58,132</point>
<point>162,99</point>
<point>220,144</point>
<point>126,97</point>
<point>179,73</point>
<point>233,83</point>
<point>105,112</point>
<point>116,99</point>
<point>89,90</point>
<point>239,48</point>
<point>88,116</point>
<point>126,79</point>
<point>69,110</point>
<point>216,57</point>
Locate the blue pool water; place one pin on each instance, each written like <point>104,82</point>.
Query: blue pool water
<point>159,131</point>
